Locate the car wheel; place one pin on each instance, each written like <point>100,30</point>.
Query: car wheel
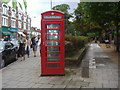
<point>2,63</point>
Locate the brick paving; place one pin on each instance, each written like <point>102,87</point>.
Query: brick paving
<point>103,73</point>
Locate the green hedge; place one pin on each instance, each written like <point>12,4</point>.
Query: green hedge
<point>74,43</point>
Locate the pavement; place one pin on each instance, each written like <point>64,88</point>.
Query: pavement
<point>111,52</point>
<point>102,72</point>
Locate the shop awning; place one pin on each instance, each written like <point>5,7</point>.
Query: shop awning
<point>13,29</point>
<point>5,31</point>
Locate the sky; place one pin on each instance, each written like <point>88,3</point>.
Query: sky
<point>36,7</point>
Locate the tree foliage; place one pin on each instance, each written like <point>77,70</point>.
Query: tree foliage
<point>101,12</point>
<point>64,8</point>
<point>93,15</point>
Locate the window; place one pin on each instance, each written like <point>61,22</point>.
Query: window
<point>53,59</point>
<point>19,24</point>
<point>28,26</point>
<point>53,26</point>
<point>28,20</point>
<point>24,25</point>
<point>13,23</point>
<point>4,21</point>
<point>53,32</point>
<point>8,45</point>
<point>53,48</point>
<point>53,43</point>
<point>13,13</point>
<point>5,10</point>
<point>24,19</point>
<point>19,16</point>
<point>53,54</point>
<point>53,37</point>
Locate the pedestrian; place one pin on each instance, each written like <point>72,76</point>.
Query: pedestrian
<point>28,42</point>
<point>6,38</point>
<point>34,45</point>
<point>107,43</point>
<point>21,50</point>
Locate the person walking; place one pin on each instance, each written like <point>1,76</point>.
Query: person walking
<point>34,45</point>
<point>6,38</point>
<point>21,50</point>
<point>107,43</point>
<point>28,42</point>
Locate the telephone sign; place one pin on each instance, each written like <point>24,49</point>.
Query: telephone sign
<point>52,43</point>
<point>52,17</point>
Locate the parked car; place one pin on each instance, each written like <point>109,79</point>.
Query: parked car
<point>8,53</point>
<point>15,42</point>
<point>1,39</point>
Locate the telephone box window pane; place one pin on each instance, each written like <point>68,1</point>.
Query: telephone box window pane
<point>53,26</point>
<point>53,54</point>
<point>53,48</point>
<point>53,59</point>
<point>52,37</point>
<point>52,32</point>
<point>53,43</point>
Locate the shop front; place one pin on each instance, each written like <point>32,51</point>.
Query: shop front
<point>5,31</point>
<point>14,32</point>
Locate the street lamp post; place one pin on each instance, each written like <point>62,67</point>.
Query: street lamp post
<point>51,4</point>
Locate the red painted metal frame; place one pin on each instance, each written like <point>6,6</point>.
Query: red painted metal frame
<point>44,69</point>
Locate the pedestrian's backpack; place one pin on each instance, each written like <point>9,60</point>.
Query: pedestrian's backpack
<point>33,41</point>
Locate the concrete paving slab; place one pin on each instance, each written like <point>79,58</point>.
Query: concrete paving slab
<point>84,88</point>
<point>59,86</point>
<point>26,74</point>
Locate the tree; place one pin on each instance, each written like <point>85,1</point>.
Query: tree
<point>64,8</point>
<point>82,22</point>
<point>103,14</point>
<point>99,12</point>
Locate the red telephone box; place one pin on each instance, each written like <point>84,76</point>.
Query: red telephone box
<point>52,43</point>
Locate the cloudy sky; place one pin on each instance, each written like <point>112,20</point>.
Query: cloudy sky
<point>36,7</point>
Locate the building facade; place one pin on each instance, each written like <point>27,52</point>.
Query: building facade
<point>13,21</point>
<point>0,19</point>
<point>35,31</point>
